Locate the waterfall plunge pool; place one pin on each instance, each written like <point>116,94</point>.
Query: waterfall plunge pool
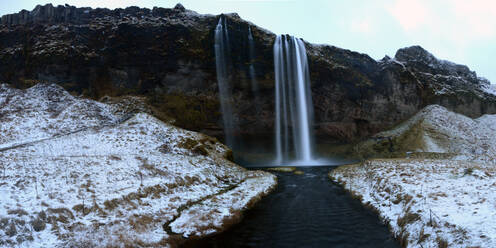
<point>258,151</point>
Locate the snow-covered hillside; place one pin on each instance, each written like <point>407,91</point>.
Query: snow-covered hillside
<point>436,130</point>
<point>428,203</point>
<point>439,190</point>
<point>46,110</point>
<point>75,172</point>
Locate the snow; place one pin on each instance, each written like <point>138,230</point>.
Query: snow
<point>439,130</point>
<point>46,110</point>
<point>96,176</point>
<point>445,200</point>
<point>427,202</point>
<point>389,60</point>
<point>491,89</point>
<point>207,217</point>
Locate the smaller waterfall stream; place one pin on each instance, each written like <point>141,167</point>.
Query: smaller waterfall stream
<point>254,83</point>
<point>222,51</point>
<point>293,102</point>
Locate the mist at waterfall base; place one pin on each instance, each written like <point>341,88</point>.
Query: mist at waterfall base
<point>259,151</point>
<point>292,142</point>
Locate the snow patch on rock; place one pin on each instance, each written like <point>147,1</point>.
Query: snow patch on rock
<point>490,88</point>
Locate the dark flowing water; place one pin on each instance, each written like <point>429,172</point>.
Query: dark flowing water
<point>306,211</point>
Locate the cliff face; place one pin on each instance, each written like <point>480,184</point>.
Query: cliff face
<point>168,56</point>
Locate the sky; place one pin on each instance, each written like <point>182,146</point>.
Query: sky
<point>462,31</point>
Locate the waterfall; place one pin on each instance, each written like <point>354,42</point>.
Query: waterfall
<point>251,69</point>
<point>222,52</point>
<point>293,101</point>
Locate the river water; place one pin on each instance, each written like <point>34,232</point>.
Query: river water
<point>305,211</point>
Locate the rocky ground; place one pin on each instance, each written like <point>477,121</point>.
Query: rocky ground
<point>76,172</point>
<point>437,190</point>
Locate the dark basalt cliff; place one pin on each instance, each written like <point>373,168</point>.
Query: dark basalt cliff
<point>168,56</point>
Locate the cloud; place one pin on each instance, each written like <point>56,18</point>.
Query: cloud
<point>450,29</point>
<point>364,26</point>
<point>456,20</point>
<point>410,14</point>
<point>478,15</point>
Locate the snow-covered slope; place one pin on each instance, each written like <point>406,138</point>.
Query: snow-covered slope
<point>76,172</point>
<point>436,130</point>
<point>47,110</point>
<point>428,203</point>
<point>442,193</point>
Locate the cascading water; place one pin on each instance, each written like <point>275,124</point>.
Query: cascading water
<point>293,102</point>
<point>222,51</point>
<point>254,84</point>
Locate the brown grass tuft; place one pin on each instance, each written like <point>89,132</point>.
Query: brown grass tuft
<point>140,222</point>
<point>407,219</point>
<point>441,243</point>
<point>403,238</point>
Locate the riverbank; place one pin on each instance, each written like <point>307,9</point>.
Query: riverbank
<point>428,202</point>
<point>305,210</point>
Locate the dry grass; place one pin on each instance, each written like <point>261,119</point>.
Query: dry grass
<point>63,215</point>
<point>408,218</point>
<point>140,223</point>
<point>18,212</point>
<point>441,243</point>
<point>403,238</point>
<point>422,236</point>
<point>152,168</point>
<point>197,147</point>
<point>283,169</point>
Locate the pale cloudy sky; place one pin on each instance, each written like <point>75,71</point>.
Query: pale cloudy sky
<point>463,31</point>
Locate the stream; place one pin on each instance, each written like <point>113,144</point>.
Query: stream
<point>305,211</point>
